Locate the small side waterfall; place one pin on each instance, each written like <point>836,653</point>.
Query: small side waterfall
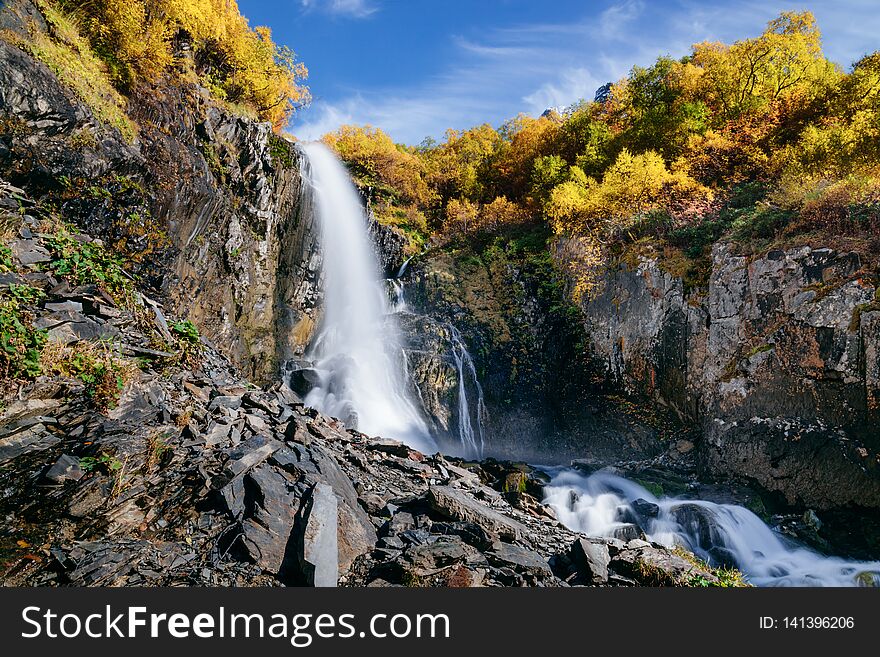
<point>356,352</point>
<point>472,442</point>
<point>604,504</point>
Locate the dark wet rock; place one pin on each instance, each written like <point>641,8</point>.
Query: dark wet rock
<point>301,381</point>
<point>627,532</point>
<point>645,508</point>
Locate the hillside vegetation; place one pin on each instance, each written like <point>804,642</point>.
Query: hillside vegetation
<point>764,141</point>
<point>103,49</point>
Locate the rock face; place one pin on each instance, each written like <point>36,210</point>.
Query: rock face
<point>776,361</point>
<point>219,194</point>
<point>539,385</point>
<point>197,477</point>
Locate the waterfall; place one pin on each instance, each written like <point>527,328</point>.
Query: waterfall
<point>604,504</point>
<point>356,352</point>
<point>471,441</point>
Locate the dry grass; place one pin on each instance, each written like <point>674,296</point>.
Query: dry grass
<point>71,58</point>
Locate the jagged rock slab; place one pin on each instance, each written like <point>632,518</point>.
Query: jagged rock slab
<point>455,504</point>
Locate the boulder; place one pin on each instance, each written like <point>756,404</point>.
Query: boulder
<point>457,505</point>
<point>272,503</point>
<point>519,559</point>
<point>591,560</point>
<point>645,508</point>
<point>301,381</point>
<point>319,560</point>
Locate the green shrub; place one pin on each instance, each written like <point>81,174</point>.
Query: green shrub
<point>186,331</point>
<point>20,343</point>
<point>6,264</point>
<point>90,262</point>
<point>102,372</point>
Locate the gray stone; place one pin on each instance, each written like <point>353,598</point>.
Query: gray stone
<point>591,560</point>
<point>267,530</point>
<point>225,401</point>
<point>248,454</point>
<point>66,468</point>
<point>320,557</point>
<point>520,559</point>
<point>70,306</point>
<point>439,554</point>
<point>458,505</point>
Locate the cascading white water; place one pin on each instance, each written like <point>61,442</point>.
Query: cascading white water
<point>357,349</point>
<point>599,504</point>
<point>471,441</point>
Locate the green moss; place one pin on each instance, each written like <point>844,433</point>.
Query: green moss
<point>6,264</point>
<point>281,151</point>
<point>756,506</point>
<point>760,349</point>
<point>651,486</point>
<point>723,577</point>
<point>856,321</point>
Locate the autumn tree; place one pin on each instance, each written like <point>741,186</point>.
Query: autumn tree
<point>753,73</point>
<point>239,64</point>
<point>377,162</point>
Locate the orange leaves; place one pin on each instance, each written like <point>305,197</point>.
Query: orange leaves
<point>237,63</point>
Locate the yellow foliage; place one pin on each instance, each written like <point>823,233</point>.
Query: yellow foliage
<point>785,59</point>
<point>525,140</point>
<point>457,167</point>
<point>631,186</point>
<point>239,64</point>
<point>461,216</point>
<point>500,213</point>
<point>376,161</point>
<point>581,259</point>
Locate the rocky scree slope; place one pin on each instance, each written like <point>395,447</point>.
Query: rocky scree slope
<point>194,476</point>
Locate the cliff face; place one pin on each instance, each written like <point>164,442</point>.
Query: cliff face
<point>543,397</point>
<point>204,204</point>
<point>777,362</point>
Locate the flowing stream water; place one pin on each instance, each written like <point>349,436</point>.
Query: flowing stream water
<point>604,504</point>
<point>363,380</point>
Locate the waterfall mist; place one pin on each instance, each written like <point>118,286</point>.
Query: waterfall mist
<point>356,351</point>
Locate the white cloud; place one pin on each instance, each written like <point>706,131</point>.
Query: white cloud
<point>350,8</point>
<point>529,68</point>
<point>614,21</point>
<point>572,85</point>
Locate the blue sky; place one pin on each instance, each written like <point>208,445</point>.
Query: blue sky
<point>417,67</point>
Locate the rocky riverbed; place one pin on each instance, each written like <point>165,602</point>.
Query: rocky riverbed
<point>196,476</point>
